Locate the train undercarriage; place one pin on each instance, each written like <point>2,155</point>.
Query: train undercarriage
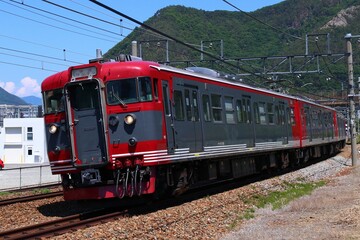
<point>175,179</point>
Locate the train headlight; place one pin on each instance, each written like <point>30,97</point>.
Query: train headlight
<point>132,142</point>
<point>130,119</point>
<point>53,128</point>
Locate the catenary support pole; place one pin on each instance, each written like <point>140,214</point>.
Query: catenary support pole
<point>351,96</point>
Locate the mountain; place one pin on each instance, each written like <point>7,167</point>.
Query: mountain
<point>32,100</point>
<point>10,99</point>
<point>277,30</point>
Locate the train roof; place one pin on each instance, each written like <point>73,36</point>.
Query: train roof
<point>213,77</point>
<point>59,79</point>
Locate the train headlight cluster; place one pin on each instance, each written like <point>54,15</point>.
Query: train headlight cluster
<point>53,128</point>
<point>88,72</point>
<point>130,119</point>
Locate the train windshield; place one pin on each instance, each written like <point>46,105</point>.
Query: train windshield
<point>53,101</point>
<point>130,90</point>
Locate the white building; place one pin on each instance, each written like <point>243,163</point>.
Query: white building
<point>23,141</point>
<point>18,111</point>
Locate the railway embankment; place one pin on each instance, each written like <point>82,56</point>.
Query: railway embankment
<point>330,212</point>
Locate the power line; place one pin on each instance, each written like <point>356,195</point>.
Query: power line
<point>44,45</point>
<point>86,15</point>
<point>76,27</point>
<point>38,55</point>
<point>64,29</point>
<point>172,38</point>
<point>60,16</point>
<point>33,59</point>
<point>27,66</point>
<point>262,22</point>
<point>98,19</point>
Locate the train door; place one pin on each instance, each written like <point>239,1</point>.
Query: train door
<point>283,121</point>
<point>187,124</point>
<point>193,118</point>
<point>168,116</point>
<point>86,122</point>
<point>250,133</point>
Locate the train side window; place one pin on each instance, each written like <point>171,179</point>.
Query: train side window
<point>206,107</point>
<point>239,111</point>
<point>145,90</point>
<point>256,113</point>
<point>247,110</point>
<point>291,115</point>
<point>179,106</point>
<point>216,107</point>
<point>166,99</point>
<point>155,86</point>
<point>229,110</point>
<point>277,115</point>
<point>262,113</point>
<point>187,105</point>
<point>270,112</point>
<point>195,106</point>
<point>282,115</point>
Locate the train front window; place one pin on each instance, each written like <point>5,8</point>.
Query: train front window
<point>53,101</point>
<point>129,91</point>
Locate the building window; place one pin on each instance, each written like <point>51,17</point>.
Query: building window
<point>29,133</point>
<point>30,152</point>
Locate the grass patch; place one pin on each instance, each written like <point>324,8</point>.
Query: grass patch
<point>276,199</point>
<point>41,191</point>
<point>4,193</point>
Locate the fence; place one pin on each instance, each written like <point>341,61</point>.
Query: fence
<point>20,177</point>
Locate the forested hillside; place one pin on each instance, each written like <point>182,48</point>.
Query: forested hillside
<point>277,30</point>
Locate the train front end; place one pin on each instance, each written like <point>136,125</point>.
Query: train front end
<point>92,134</point>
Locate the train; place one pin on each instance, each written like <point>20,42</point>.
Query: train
<point>130,128</point>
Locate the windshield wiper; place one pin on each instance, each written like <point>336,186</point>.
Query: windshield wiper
<point>120,101</point>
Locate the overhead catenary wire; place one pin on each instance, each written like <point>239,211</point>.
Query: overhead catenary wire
<point>61,28</point>
<point>104,13</point>
<point>33,59</point>
<point>45,45</point>
<point>47,24</point>
<point>190,46</point>
<point>61,16</point>
<point>38,55</point>
<point>27,66</point>
<point>262,22</point>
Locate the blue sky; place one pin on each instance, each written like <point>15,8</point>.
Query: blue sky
<point>35,43</point>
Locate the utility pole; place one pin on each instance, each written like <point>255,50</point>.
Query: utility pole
<point>351,96</point>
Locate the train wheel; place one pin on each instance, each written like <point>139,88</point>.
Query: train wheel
<point>306,156</point>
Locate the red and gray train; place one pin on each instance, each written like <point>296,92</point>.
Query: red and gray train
<point>130,128</point>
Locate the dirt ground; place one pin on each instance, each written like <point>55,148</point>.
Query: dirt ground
<point>330,212</point>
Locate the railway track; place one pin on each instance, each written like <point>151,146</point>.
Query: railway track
<point>30,198</point>
<point>63,225</point>
<point>93,218</point>
<point>88,219</point>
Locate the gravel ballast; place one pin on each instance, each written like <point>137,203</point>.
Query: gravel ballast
<point>212,217</point>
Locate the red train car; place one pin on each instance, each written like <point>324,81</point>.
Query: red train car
<point>128,128</point>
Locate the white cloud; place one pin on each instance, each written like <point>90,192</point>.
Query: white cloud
<point>30,87</point>
<point>8,86</point>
